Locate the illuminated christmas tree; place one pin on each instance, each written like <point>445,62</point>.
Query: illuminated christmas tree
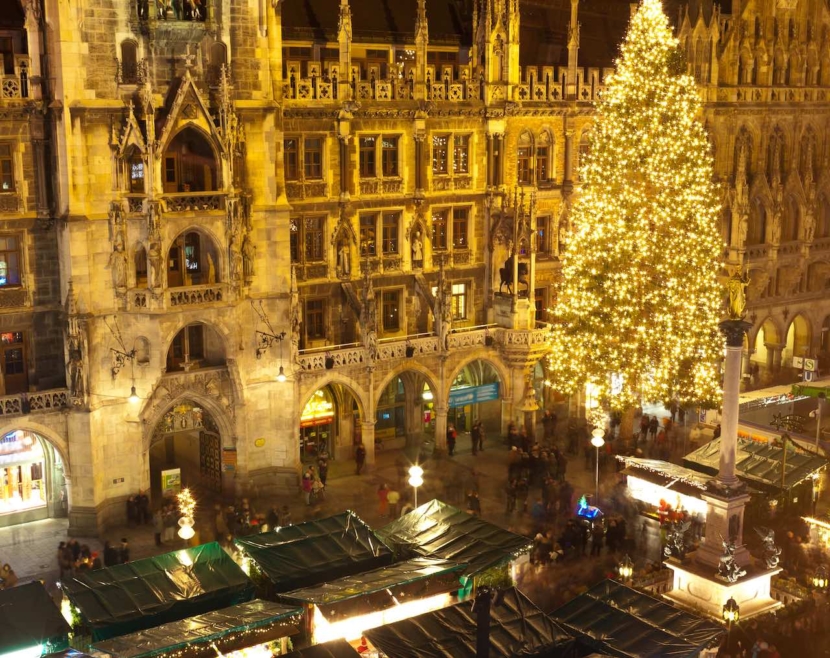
<point>639,301</point>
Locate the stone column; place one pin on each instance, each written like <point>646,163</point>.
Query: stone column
<point>776,358</point>
<point>734,331</point>
<point>569,158</point>
<point>440,428</point>
<point>770,357</point>
<point>367,435</point>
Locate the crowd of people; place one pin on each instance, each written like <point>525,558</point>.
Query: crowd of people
<point>75,558</point>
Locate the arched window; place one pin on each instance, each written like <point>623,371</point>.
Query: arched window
<point>757,233</point>
<point>135,172</point>
<point>140,267</point>
<point>189,164</point>
<point>823,218</point>
<point>582,153</point>
<point>544,158</point>
<point>129,62</point>
<point>524,166</point>
<point>192,260</point>
<point>195,346</point>
<point>792,220</point>
<point>218,58</point>
<point>775,157</point>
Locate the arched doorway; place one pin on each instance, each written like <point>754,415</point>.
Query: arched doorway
<point>475,394</point>
<point>798,341</point>
<point>404,411</point>
<point>193,259</point>
<point>32,479</point>
<point>766,341</point>
<point>330,423</point>
<point>186,451</point>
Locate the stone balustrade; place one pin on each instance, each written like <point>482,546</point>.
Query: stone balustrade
<point>192,295</point>
<point>757,252</point>
<point>531,340</point>
<point>194,201</point>
<point>37,402</point>
<point>16,85</point>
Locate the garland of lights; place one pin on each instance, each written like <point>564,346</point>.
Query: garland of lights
<point>639,300</point>
<point>187,508</point>
<point>658,471</point>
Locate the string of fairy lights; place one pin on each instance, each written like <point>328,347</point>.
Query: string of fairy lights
<point>639,300</point>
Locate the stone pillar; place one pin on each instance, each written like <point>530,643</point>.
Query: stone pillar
<point>440,428</point>
<point>734,331</point>
<point>569,158</point>
<point>498,160</point>
<point>490,159</point>
<point>776,358</point>
<point>770,357</point>
<point>32,24</point>
<point>367,435</point>
<point>343,139</point>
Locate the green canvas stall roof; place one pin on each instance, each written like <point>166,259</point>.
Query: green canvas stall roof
<point>517,628</point>
<point>620,621</point>
<point>29,618</point>
<point>131,597</point>
<point>401,573</point>
<point>333,649</point>
<point>205,628</point>
<point>306,554</point>
<point>438,530</point>
<point>759,462</point>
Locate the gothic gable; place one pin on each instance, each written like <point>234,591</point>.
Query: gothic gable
<point>189,109</point>
<point>131,136</point>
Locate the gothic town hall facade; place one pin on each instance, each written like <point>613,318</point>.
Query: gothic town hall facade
<point>235,234</point>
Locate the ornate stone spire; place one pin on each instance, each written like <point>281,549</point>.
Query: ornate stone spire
<point>344,28</point>
<point>421,26</point>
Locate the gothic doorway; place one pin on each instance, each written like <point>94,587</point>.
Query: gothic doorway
<point>186,451</point>
<point>330,423</point>
<point>32,479</point>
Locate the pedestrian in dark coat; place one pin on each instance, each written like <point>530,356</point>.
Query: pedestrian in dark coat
<point>451,436</point>
<point>359,457</point>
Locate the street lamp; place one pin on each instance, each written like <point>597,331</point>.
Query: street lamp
<point>416,479</point>
<point>820,578</point>
<point>731,615</point>
<point>626,569</point>
<point>597,441</point>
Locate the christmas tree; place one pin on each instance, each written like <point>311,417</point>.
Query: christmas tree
<point>639,300</point>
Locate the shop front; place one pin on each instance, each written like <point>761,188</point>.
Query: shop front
<point>317,426</point>
<point>32,481</point>
<point>468,403</point>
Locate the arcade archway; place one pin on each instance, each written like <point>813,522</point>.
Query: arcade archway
<point>32,479</point>
<point>330,423</point>
<point>475,394</point>
<point>798,340</point>
<point>186,450</point>
<point>405,414</point>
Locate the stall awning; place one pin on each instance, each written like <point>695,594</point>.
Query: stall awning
<point>131,597</point>
<point>517,628</point>
<point>333,649</point>
<point>439,530</point>
<point>613,619</point>
<point>310,553</point>
<point>204,629</point>
<point>30,618</point>
<point>671,476</point>
<point>759,462</point>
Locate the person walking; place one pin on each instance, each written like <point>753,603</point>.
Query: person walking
<point>383,500</point>
<point>475,436</point>
<point>359,457</point>
<point>124,551</point>
<point>596,539</point>
<point>473,503</point>
<point>451,436</point>
<point>307,486</point>
<point>481,436</point>
<point>110,555</point>
<point>393,497</point>
<point>323,469</point>
<point>158,527</point>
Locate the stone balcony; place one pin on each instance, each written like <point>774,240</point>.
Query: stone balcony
<point>194,202</point>
<point>523,345</point>
<point>144,299</point>
<point>15,86</point>
<point>38,402</point>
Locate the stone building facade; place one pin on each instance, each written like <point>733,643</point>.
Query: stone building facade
<point>246,232</point>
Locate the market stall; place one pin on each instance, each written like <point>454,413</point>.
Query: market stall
<point>791,475</point>
<point>256,629</point>
<point>661,485</point>
<point>438,530</point>
<point>517,628</point>
<point>30,623</point>
<point>137,595</point>
<point>616,620</point>
<point>333,649</point>
<point>314,552</point>
<point>346,607</point>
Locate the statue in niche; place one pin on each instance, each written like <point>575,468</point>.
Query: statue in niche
<point>344,258</point>
<point>417,250</point>
<point>118,263</point>
<point>236,260</point>
<point>248,255</point>
<point>154,259</point>
<point>77,387</point>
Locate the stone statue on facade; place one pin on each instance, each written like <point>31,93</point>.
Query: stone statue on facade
<point>118,264</point>
<point>417,250</point>
<point>736,287</point>
<point>728,568</point>
<point>772,553</point>
<point>743,229</point>
<point>809,225</point>
<point>77,385</point>
<point>248,255</point>
<point>344,259</point>
<point>236,266</point>
<point>154,260</point>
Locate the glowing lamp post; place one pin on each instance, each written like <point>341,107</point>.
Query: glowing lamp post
<point>416,479</point>
<point>597,441</point>
<point>187,505</point>
<point>626,569</point>
<point>820,578</point>
<point>731,612</point>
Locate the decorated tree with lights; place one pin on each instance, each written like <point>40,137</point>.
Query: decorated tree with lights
<point>639,300</point>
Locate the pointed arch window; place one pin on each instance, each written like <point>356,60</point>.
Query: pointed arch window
<point>129,62</point>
